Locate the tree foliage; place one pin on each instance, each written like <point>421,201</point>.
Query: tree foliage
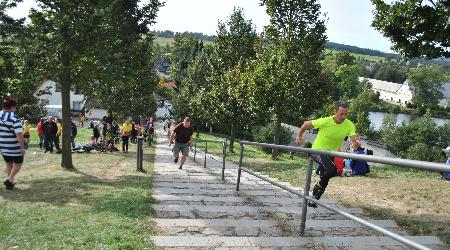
<point>289,76</point>
<point>421,139</point>
<point>427,83</point>
<point>418,28</point>
<point>100,49</point>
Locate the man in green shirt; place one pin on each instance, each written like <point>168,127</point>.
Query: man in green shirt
<point>332,132</point>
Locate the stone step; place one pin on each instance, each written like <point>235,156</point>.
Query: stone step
<point>244,212</point>
<point>225,193</point>
<point>264,228</point>
<point>326,242</point>
<point>228,201</point>
<point>223,186</point>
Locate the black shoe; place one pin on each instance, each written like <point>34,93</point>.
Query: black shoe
<point>9,185</point>
<point>175,160</point>
<point>181,167</point>
<point>310,204</point>
<point>317,191</point>
<point>45,151</point>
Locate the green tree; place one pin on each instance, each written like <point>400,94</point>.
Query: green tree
<point>289,76</point>
<point>236,45</point>
<point>428,85</point>
<point>78,41</point>
<point>418,28</point>
<point>17,79</point>
<point>183,52</point>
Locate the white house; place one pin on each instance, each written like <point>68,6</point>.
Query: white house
<point>53,102</point>
<point>401,94</point>
<point>392,92</point>
<point>445,102</point>
<point>54,98</point>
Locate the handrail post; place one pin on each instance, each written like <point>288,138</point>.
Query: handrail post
<point>195,149</point>
<point>241,154</point>
<point>306,193</point>
<point>206,151</point>
<point>224,151</point>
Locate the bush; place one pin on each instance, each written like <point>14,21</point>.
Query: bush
<point>422,152</point>
<point>266,134</point>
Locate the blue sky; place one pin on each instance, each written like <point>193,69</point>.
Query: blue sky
<point>348,20</point>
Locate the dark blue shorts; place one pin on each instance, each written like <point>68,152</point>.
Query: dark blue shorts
<point>15,159</point>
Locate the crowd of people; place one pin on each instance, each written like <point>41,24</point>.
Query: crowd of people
<point>108,133</point>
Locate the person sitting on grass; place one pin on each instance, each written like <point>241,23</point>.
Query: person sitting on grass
<point>446,175</point>
<point>359,167</point>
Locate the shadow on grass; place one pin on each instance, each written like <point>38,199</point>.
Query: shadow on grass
<point>127,195</point>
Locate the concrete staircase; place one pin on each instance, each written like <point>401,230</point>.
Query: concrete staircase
<point>197,210</point>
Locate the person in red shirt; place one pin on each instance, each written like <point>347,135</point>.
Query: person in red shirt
<point>40,132</point>
<point>182,133</point>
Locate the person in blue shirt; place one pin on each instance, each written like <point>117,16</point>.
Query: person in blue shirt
<point>359,167</point>
<point>446,175</point>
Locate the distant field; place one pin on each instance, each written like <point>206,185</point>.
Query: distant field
<point>162,41</point>
<point>367,57</point>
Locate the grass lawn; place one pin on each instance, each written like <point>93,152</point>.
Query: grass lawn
<point>104,203</point>
<point>416,200</point>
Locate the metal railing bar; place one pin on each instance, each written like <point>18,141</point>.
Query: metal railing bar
<point>430,166</point>
<point>345,214</point>
<point>208,140</point>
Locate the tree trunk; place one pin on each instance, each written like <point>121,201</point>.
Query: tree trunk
<point>276,138</point>
<point>66,160</point>
<point>232,135</point>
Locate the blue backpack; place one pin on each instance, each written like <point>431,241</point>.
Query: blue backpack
<point>359,167</point>
<point>446,176</point>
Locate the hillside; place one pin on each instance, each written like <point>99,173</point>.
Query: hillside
<point>163,41</point>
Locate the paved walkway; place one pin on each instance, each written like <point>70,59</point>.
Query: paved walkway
<point>197,210</point>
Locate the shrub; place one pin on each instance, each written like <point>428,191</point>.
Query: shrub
<point>266,134</point>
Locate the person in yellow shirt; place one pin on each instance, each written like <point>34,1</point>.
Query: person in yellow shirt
<point>332,132</point>
<point>58,134</point>
<point>126,132</point>
<point>26,133</point>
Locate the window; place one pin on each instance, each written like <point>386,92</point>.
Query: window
<point>76,105</point>
<point>57,87</point>
<point>44,102</point>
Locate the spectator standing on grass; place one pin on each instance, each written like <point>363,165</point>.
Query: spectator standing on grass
<point>26,133</point>
<point>40,132</point>
<point>74,132</point>
<point>126,132</point>
<point>332,131</point>
<point>50,129</point>
<point>107,119</point>
<point>182,134</point>
<point>133,132</point>
<point>96,132</point>
<point>12,145</point>
<point>58,133</point>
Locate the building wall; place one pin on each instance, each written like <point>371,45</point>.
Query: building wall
<point>55,97</point>
<point>95,113</point>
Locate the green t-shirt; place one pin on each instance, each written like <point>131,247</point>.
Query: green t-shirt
<point>331,135</point>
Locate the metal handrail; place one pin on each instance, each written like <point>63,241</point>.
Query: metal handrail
<point>224,151</point>
<point>430,166</point>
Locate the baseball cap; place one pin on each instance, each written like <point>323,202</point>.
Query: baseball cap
<point>446,150</point>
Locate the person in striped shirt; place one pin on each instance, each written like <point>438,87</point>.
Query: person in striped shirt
<point>11,141</point>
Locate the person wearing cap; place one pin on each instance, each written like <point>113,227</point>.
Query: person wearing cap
<point>182,133</point>
<point>12,145</point>
<point>446,175</point>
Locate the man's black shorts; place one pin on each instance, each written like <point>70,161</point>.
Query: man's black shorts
<point>15,159</point>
